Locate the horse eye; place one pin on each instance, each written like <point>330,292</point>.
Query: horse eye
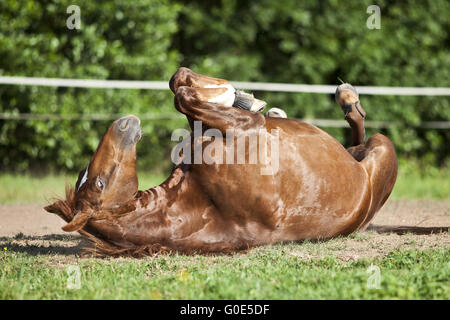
<point>100,184</point>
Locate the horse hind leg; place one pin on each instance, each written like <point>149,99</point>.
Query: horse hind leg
<point>377,155</point>
<point>380,162</point>
<point>347,97</point>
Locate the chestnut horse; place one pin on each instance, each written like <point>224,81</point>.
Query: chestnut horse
<point>320,190</point>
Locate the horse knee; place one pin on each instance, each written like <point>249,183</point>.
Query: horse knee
<point>179,78</point>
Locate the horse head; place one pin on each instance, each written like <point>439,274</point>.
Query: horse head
<point>109,181</point>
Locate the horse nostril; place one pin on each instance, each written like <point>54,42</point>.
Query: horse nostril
<point>138,136</point>
<point>124,125</point>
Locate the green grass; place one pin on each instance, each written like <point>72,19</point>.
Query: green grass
<point>25,189</point>
<point>264,273</point>
<point>412,183</point>
<point>268,272</point>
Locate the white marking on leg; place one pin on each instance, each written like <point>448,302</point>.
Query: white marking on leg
<point>226,98</point>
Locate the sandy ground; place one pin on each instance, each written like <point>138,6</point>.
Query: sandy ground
<point>30,220</point>
<point>423,224</point>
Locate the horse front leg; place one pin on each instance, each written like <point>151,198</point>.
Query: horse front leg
<point>209,105</point>
<point>185,77</point>
<point>225,94</point>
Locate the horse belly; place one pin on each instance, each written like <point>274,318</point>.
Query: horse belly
<point>316,189</point>
<point>324,191</point>
<point>239,188</point>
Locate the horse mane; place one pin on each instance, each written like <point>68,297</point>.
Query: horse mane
<point>100,247</point>
<point>64,208</point>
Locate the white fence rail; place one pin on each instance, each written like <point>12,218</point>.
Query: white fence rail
<point>327,123</point>
<point>254,86</point>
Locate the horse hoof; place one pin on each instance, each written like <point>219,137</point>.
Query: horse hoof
<point>276,113</point>
<point>348,98</point>
<point>248,102</point>
<point>341,88</point>
<point>258,105</point>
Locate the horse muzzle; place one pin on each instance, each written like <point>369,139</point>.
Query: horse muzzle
<point>129,127</point>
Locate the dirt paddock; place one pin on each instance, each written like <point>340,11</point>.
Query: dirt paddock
<point>400,225</point>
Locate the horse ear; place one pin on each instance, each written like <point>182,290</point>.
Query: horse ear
<point>79,221</point>
<point>61,209</point>
<point>54,207</point>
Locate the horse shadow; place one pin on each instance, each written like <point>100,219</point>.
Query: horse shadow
<point>400,230</point>
<point>21,243</point>
<point>27,244</point>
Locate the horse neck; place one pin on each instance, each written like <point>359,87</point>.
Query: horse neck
<point>161,197</point>
<point>158,215</point>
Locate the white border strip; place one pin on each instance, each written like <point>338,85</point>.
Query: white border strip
<point>256,86</point>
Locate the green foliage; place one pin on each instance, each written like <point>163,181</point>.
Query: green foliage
<point>279,41</point>
<point>317,41</point>
<point>26,189</point>
<point>413,182</point>
<point>118,40</point>
<point>416,180</point>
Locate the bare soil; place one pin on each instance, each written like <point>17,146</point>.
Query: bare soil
<point>400,225</point>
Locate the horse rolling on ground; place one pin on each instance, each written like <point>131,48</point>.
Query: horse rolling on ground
<point>319,189</point>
